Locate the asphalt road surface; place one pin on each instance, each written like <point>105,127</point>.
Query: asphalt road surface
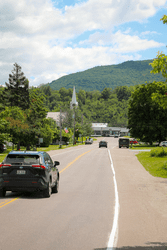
<point>87,209</point>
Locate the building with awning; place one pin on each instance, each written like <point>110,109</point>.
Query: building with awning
<point>102,129</point>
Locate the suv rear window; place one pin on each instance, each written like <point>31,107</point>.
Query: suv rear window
<point>26,159</point>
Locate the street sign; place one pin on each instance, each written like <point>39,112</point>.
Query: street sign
<point>40,140</point>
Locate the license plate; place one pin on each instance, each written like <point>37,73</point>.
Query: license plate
<point>21,171</point>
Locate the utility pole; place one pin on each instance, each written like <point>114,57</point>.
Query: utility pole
<point>82,128</point>
<point>60,144</point>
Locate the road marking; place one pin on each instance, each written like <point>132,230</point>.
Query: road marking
<point>68,150</point>
<point>114,233</point>
<point>8,202</point>
<point>74,160</point>
<point>60,172</point>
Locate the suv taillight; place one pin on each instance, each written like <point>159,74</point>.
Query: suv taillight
<point>38,166</point>
<point>5,165</point>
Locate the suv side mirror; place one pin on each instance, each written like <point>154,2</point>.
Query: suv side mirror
<point>56,163</point>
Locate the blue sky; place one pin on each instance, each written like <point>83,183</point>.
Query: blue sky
<point>51,38</point>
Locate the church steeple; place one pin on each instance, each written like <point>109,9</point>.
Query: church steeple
<point>74,100</point>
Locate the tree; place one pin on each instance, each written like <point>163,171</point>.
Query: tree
<point>164,19</point>
<point>160,63</point>
<point>16,91</point>
<point>123,93</point>
<point>14,119</point>
<point>105,94</point>
<point>86,128</point>
<point>37,110</point>
<point>3,131</point>
<point>147,114</point>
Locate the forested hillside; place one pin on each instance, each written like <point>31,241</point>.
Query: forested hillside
<point>108,106</point>
<point>129,73</point>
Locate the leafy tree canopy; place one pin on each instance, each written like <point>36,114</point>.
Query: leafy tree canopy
<point>148,112</point>
<point>159,65</point>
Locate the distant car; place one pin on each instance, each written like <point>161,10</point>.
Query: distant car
<point>133,141</point>
<point>116,136</point>
<point>2,147</point>
<point>123,142</point>
<point>102,144</point>
<point>29,171</point>
<point>89,141</point>
<point>163,144</point>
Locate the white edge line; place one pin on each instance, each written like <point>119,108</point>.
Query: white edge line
<point>114,233</point>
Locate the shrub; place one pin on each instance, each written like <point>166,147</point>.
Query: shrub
<point>165,166</point>
<point>158,152</point>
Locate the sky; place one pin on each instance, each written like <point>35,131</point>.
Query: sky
<point>53,38</point>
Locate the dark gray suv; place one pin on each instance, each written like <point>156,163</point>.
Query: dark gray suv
<point>102,144</point>
<point>29,171</point>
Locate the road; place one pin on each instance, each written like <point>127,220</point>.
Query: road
<point>81,216</point>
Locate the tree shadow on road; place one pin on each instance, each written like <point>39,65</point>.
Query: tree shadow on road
<point>23,195</point>
<point>151,246</point>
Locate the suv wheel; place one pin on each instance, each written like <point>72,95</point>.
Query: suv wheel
<point>2,192</point>
<point>47,192</point>
<point>56,187</point>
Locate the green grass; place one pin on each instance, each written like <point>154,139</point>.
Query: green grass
<point>156,166</point>
<point>51,147</point>
<point>143,146</point>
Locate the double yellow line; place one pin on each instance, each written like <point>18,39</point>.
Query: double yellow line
<point>2,204</point>
<point>74,160</point>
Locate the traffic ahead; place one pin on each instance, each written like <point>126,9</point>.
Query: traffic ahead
<point>83,214</point>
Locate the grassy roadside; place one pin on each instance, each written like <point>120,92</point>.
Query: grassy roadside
<point>46,149</point>
<point>155,165</point>
<point>51,147</point>
<point>142,146</point>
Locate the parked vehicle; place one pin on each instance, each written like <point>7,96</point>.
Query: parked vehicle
<point>123,142</point>
<point>89,141</point>
<point>133,141</point>
<point>116,136</point>
<point>2,147</point>
<point>163,144</point>
<point>29,171</point>
<point>102,144</point>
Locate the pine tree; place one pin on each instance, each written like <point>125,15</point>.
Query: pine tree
<point>17,90</point>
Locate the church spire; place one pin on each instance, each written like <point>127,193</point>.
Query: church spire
<point>74,100</point>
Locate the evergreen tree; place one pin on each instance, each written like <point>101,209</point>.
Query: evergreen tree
<point>16,91</point>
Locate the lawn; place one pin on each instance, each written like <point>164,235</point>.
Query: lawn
<point>156,166</point>
<point>142,146</point>
<point>51,147</point>
<point>46,149</point>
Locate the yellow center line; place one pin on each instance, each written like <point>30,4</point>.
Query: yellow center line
<point>9,202</point>
<point>74,160</point>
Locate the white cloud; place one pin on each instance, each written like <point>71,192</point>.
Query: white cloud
<point>37,35</point>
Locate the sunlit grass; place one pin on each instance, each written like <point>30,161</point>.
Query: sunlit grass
<point>156,166</point>
<point>46,149</point>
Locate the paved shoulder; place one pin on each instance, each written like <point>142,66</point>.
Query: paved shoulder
<point>143,206</point>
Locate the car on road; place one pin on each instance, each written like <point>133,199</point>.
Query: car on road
<point>163,144</point>
<point>102,144</point>
<point>123,142</point>
<point>2,147</point>
<point>116,136</point>
<point>89,141</point>
<point>133,141</point>
<point>29,171</point>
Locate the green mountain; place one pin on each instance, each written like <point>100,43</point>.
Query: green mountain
<point>128,73</point>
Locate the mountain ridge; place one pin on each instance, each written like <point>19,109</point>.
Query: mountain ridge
<point>128,73</point>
